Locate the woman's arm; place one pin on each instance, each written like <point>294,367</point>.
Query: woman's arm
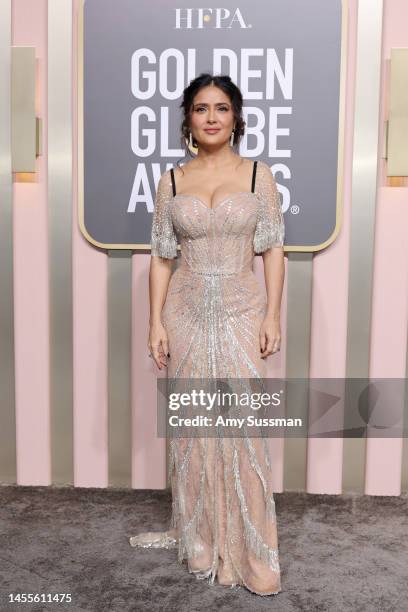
<point>268,240</point>
<point>274,271</point>
<point>159,278</point>
<point>163,250</point>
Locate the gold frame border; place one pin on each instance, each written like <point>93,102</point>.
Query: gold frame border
<point>340,149</point>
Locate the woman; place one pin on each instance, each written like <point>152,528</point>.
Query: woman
<point>210,320</point>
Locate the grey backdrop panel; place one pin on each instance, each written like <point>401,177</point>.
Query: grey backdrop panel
<point>122,167</point>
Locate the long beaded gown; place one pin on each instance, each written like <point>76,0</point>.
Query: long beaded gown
<point>223,512</point>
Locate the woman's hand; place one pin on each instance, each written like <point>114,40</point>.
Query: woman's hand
<point>158,344</point>
<point>269,336</point>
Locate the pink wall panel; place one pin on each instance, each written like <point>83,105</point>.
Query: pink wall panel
<point>390,280</point>
<point>389,328</point>
<point>330,298</point>
<point>90,328</point>
<point>31,304</point>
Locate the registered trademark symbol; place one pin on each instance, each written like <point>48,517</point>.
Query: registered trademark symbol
<point>295,209</point>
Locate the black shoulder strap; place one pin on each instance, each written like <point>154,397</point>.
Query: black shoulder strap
<point>253,177</point>
<point>173,182</point>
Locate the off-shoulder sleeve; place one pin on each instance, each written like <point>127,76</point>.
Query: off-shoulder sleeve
<point>163,238</point>
<point>270,226</point>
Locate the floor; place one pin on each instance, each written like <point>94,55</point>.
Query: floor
<point>337,553</point>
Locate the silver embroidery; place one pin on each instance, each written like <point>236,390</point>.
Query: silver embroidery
<point>222,499</point>
<point>163,238</point>
<point>252,537</point>
<point>270,229</point>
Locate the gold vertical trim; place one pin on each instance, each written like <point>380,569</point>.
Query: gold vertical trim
<point>298,326</point>
<point>23,122</point>
<point>60,236</point>
<point>364,193</point>
<point>8,465</point>
<point>397,136</point>
<point>119,368</point>
<point>38,136</point>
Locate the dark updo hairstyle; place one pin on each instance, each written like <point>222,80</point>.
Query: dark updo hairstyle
<point>224,83</point>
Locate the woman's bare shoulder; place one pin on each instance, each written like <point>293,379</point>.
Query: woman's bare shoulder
<point>248,161</point>
<point>186,167</point>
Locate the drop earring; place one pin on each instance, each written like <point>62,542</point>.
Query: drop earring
<point>232,138</point>
<point>191,140</point>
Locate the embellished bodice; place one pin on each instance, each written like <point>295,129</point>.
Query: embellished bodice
<point>215,240</point>
<point>219,240</point>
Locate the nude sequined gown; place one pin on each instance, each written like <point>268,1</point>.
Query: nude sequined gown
<point>223,509</point>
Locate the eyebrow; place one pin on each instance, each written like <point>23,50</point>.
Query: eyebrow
<point>206,104</point>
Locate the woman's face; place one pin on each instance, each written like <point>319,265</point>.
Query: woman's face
<point>212,108</point>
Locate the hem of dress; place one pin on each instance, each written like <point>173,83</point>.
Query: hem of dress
<point>207,575</point>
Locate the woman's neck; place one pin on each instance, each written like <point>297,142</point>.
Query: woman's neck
<point>219,158</point>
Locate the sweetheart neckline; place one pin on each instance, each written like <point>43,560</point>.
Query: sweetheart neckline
<point>220,203</point>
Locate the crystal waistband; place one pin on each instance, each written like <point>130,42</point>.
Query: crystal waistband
<point>214,272</point>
